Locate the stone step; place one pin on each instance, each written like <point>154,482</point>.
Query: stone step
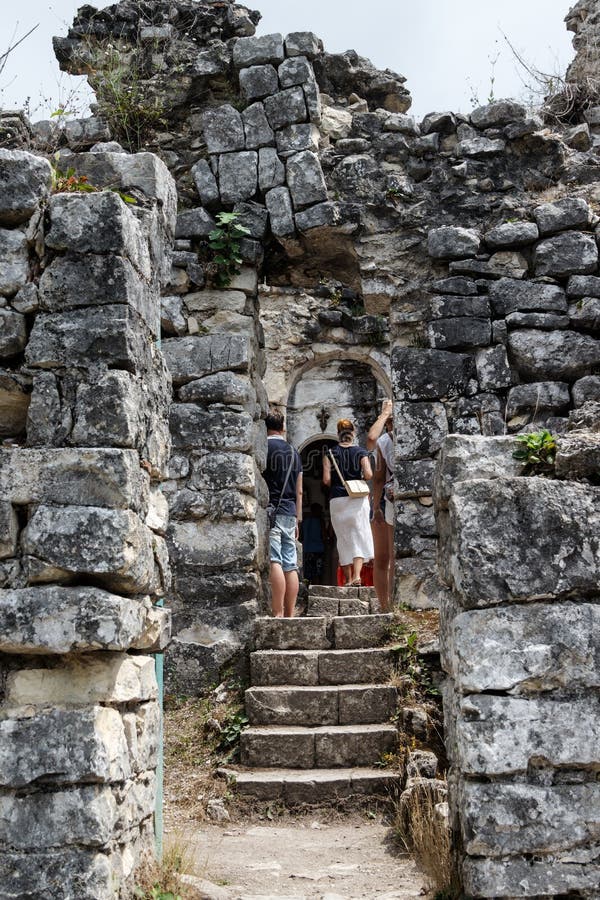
<point>309,667</point>
<point>351,704</point>
<point>306,633</point>
<point>337,606</point>
<point>294,786</point>
<point>323,747</point>
<point>352,632</point>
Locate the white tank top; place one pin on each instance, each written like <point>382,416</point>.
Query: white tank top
<point>386,447</point>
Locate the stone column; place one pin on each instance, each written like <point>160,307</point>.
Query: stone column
<point>520,644</point>
<point>82,521</point>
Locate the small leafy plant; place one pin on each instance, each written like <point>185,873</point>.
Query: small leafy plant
<point>537,451</point>
<point>224,241</point>
<point>70,182</point>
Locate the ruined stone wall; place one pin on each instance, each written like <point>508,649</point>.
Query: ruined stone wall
<point>84,396</point>
<point>519,641</point>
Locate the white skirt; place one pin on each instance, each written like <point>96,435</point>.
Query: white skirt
<point>350,520</point>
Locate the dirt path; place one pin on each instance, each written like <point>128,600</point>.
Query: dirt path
<point>304,858</point>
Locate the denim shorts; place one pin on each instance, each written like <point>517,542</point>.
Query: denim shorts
<point>282,541</point>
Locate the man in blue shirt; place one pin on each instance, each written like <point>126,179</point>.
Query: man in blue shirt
<point>286,497</point>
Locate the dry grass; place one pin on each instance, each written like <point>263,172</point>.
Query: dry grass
<point>162,880</point>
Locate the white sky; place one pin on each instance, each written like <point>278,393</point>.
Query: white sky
<point>445,48</point>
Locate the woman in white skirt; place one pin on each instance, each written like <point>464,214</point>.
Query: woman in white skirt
<point>349,515</point>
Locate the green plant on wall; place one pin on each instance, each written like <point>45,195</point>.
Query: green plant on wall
<point>224,241</point>
<point>537,451</point>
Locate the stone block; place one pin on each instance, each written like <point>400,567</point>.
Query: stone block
<point>497,114</point>
<point>97,223</point>
<point>255,218</point>
<point>323,606</point>
<point>271,171</point>
<point>521,876</point>
<point>196,428</point>
<point>413,477</point>
<point>238,176</point>
<point>583,286</point>
<point>296,138</point>
<point>295,70</point>
<point>257,82</point>
<point>354,745</point>
<point>421,374</point>
<point>113,546</point>
<point>452,242</point>
<point>281,216</point>
<point>571,253</point>
<point>55,619</point>
<point>584,389</point>
<point>71,282</point>
<point>455,306</point>
<point>82,338</point>
<point>190,358</point>
<point>274,748</point>
<point>510,538</point>
<point>506,735</point>
<point>469,458</point>
<point>292,705</point>
<point>342,218</point>
<point>353,632</point>
<point>109,412</point>
<point>544,396</point>
<point>585,313</point>
<point>214,546</point>
<point>305,179</point>
<point>502,264</point>
<point>193,223</point>
<point>493,370</point>
<point>286,108</point>
<point>269,667</point>
<point>13,333</point>
<point>206,183</point>
<point>14,262</point>
<point>511,234</point>
<point>418,583</point>
<point>370,665</point>
<point>314,106</point>
<point>422,429</point>
<point>515,648</point>
<point>223,129</point>
<point>544,321</point>
<point>578,456</point>
<point>223,387</point>
<point>557,355</point>
<point>442,122</point>
<point>291,634</point>
<point>459,332</point>
<point>9,530</point>
<point>353,608</point>
<point>571,212</point>
<point>480,147</point>
<point>73,872</point>
<point>256,127</point>
<point>252,51</point>
<point>303,43</point>
<point>65,476</point>
<point>15,395</point>
<point>26,181</point>
<point>336,123</point>
<point>366,705</point>
<point>63,747</point>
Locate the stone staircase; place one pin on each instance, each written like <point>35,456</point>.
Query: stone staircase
<point>320,704</point>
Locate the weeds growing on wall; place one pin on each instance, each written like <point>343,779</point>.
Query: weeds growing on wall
<point>161,880</point>
<point>224,241</point>
<point>537,451</point>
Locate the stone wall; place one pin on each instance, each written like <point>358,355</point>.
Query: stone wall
<point>84,396</point>
<point>519,641</point>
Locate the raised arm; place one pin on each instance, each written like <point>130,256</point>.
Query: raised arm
<point>378,483</point>
<point>376,429</point>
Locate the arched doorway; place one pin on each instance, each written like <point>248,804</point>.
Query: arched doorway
<point>319,566</point>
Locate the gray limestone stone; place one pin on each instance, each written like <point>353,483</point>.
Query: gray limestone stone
<point>351,633</point>
<point>366,705</point>
<point>578,456</point>
<point>493,370</point>
<point>401,123</point>
<point>24,181</point>
<point>571,253</point>
<point>509,539</point>
<point>371,665</point>
<point>429,374</point>
<point>572,212</point>
<point>512,234</point>
<point>452,306</point>
<point>498,735</point>
<point>540,396</point>
<point>218,470</point>
<point>206,183</point>
<point>251,51</point>
<point>221,546</point>
<point>9,530</point>
<point>480,147</point>
<point>271,171</point>
<point>109,411</point>
<point>291,634</point>
<point>586,313</point>
<point>193,428</point>
<point>498,113</point>
<point>64,747</point>
<point>543,875</point>
<point>502,264</point>
<point>314,106</point>
<point>27,300</point>
<point>544,321</point>
<point>354,745</point>
<point>256,127</point>
<point>285,667</point>
<point>111,334</point>
<point>13,333</point>
<point>255,218</point>
<point>342,218</point>
<point>459,332</point>
<point>257,82</point>
<point>190,358</point>
<point>305,179</point>
<point>281,215</point>
<point>223,387</point>
<point>295,70</point>
<point>214,61</point>
<point>14,261</point>
<point>303,43</point>
<point>583,286</point>
<point>579,137</point>
<point>223,129</point>
<point>587,388</point>
<point>238,176</point>
<point>452,242</point>
<point>87,875</point>
<point>303,705</point>
<point>441,122</point>
<point>508,295</point>
<point>457,285</point>
<point>286,108</point>
<point>423,429</point>
<point>558,355</point>
<point>194,223</point>
<point>296,138</point>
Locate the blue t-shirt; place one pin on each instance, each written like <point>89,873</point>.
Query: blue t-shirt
<point>279,453</point>
<point>348,460</point>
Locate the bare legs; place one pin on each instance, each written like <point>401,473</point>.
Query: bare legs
<point>353,570</point>
<point>383,564</point>
<point>284,591</point>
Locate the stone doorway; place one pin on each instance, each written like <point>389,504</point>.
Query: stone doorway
<point>317,495</point>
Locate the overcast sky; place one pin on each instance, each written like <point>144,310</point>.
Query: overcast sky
<point>448,50</point>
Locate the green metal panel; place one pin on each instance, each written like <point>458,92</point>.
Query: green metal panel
<point>158,810</point>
